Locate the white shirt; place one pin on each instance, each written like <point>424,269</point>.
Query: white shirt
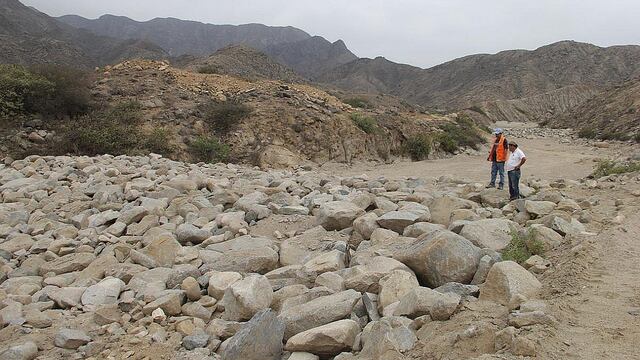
<point>514,159</point>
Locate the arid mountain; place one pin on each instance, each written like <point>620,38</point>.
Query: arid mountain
<point>243,62</point>
<point>28,36</point>
<point>508,75</point>
<point>313,56</point>
<point>612,114</point>
<point>290,46</point>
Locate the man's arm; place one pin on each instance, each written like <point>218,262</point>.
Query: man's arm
<point>524,160</point>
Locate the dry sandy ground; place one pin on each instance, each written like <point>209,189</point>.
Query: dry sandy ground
<point>546,159</point>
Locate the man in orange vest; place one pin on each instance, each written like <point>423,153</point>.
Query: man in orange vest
<point>498,156</point>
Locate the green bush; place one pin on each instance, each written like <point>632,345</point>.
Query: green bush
<point>447,143</point>
<point>522,246</point>
<point>209,149</point>
<point>112,131</point>
<point>209,69</point>
<point>158,141</point>
<point>21,91</point>
<point>587,133</point>
<point>366,123</point>
<point>418,147</point>
<point>358,103</point>
<point>615,135</point>
<point>70,95</point>
<point>610,167</point>
<point>224,116</point>
<point>463,133</point>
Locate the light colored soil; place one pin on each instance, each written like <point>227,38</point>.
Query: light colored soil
<point>546,159</point>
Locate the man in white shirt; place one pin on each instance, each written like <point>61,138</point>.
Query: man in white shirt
<point>517,158</point>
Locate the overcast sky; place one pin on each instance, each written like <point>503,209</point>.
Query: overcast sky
<point>416,32</point>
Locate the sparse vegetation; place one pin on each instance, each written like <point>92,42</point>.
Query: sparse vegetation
<point>462,133</point>
<point>21,90</point>
<point>209,69</point>
<point>366,123</point>
<point>359,103</point>
<point>224,116</point>
<point>111,131</point>
<point>615,135</point>
<point>610,167</point>
<point>70,94</point>
<point>478,109</point>
<point>158,141</point>
<point>418,147</point>
<point>587,133</point>
<point>209,149</point>
<point>45,89</point>
<point>522,246</point>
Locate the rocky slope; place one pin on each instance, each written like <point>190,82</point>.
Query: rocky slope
<point>123,256</point>
<point>29,37</point>
<point>287,124</point>
<point>613,114</point>
<point>243,62</point>
<point>540,108</point>
<point>290,46</point>
<point>539,81</point>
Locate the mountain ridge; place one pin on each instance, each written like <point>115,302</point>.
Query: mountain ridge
<point>293,47</point>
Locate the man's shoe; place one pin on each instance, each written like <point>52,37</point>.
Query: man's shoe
<point>513,199</point>
<point>500,187</point>
<point>490,186</point>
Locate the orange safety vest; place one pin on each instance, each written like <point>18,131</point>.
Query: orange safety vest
<point>501,152</point>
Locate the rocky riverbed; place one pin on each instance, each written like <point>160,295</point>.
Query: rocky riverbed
<point>148,258</point>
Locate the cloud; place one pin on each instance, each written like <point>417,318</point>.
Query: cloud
<point>418,32</point>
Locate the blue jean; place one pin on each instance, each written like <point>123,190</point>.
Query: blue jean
<point>497,168</point>
<point>514,184</point>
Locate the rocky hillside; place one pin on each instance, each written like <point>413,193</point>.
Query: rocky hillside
<point>28,37</point>
<point>540,108</point>
<point>149,106</point>
<point>290,46</point>
<point>613,114</point>
<point>547,79</point>
<point>122,256</point>
<point>243,62</point>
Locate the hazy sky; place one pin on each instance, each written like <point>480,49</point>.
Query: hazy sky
<point>416,32</point>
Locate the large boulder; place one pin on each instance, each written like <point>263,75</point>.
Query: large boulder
<point>338,215</point>
<point>259,339</point>
<point>318,312</point>
<point>394,286</point>
<point>366,276</point>
<point>308,245</point>
<point>539,208</point>
<point>424,301</point>
<point>398,220</point>
<point>366,224</point>
<point>494,234</point>
<point>244,298</point>
<point>105,292</point>
<point>326,340</point>
<point>388,338</point>
<point>507,279</point>
<point>442,207</point>
<point>441,257</point>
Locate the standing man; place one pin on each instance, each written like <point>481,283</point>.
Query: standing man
<point>516,160</point>
<point>498,156</point>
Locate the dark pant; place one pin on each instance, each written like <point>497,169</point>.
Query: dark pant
<point>497,168</point>
<point>514,184</point>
